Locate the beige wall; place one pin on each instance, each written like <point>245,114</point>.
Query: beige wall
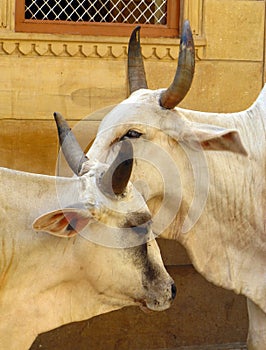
<point>77,76</point>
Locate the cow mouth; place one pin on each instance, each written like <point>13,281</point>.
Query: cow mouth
<point>143,306</point>
<point>145,309</point>
<point>150,307</point>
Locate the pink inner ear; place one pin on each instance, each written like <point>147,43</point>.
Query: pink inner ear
<point>63,223</point>
<point>205,144</point>
<point>226,142</point>
<point>75,221</point>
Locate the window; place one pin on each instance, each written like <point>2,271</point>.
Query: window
<point>98,17</point>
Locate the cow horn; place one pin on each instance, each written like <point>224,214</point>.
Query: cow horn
<point>136,72</point>
<point>69,144</point>
<point>184,73</point>
<point>116,178</point>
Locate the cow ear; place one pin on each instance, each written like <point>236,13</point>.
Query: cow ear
<point>66,222</point>
<point>214,138</point>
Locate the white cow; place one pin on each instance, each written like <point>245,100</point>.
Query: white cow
<point>54,277</point>
<point>220,213</point>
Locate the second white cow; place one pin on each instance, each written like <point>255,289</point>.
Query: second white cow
<point>52,271</point>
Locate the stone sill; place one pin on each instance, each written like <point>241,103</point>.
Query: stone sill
<point>199,41</point>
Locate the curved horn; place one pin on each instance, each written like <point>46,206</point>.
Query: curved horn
<point>184,73</point>
<point>116,178</point>
<point>136,72</point>
<point>70,147</point>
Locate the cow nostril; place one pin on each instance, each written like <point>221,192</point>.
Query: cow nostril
<point>173,290</point>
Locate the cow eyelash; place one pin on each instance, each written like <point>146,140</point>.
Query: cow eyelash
<point>131,134</point>
<point>140,230</point>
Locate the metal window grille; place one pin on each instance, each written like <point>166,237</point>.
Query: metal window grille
<point>110,11</point>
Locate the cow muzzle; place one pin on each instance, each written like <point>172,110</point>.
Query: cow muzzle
<point>160,298</point>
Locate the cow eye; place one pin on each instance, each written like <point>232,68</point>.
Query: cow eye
<point>131,134</point>
<point>140,230</point>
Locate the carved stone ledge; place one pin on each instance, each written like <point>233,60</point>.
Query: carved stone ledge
<point>108,50</point>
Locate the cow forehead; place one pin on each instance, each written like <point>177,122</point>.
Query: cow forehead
<point>91,195</point>
<point>142,112</point>
<point>133,108</point>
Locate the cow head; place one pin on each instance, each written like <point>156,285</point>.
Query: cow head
<point>152,116</point>
<point>113,216</point>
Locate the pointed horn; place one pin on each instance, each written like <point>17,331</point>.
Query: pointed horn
<point>70,147</point>
<point>184,73</point>
<point>136,72</point>
<point>116,178</point>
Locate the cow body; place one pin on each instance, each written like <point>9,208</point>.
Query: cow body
<point>227,241</point>
<point>48,281</point>
<point>228,244</point>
